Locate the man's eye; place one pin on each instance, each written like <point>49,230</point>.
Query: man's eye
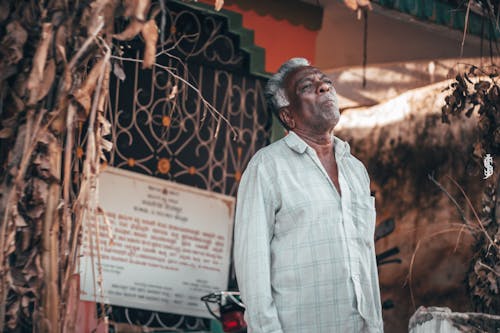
<point>306,87</point>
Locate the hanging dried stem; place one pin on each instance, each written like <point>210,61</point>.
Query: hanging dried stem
<point>50,237</point>
<point>460,210</point>
<point>485,233</point>
<point>417,247</point>
<point>466,24</point>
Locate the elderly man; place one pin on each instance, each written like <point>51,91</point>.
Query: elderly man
<point>304,248</point>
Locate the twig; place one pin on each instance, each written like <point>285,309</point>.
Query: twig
<point>460,210</point>
<point>458,239</point>
<point>85,46</point>
<point>205,102</point>
<point>475,214</point>
<point>488,268</point>
<point>66,219</point>
<point>465,28</point>
<point>67,167</point>
<point>412,261</point>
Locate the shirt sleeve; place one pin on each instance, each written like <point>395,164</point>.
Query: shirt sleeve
<point>254,224</point>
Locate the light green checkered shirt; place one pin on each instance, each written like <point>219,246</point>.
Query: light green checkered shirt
<point>304,256</point>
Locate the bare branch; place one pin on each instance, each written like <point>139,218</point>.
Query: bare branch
<point>214,111</point>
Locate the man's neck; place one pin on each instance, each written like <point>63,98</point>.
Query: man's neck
<point>322,143</point>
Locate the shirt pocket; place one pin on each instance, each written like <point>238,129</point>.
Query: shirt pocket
<point>364,217</point>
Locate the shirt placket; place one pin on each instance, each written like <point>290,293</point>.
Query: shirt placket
<point>349,227</point>
<point>353,248</point>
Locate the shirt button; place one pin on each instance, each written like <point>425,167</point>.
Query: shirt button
<point>355,278</point>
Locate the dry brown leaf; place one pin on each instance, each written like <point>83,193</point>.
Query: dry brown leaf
<point>357,5</point>
<point>150,34</point>
<point>351,4</point>
<point>12,314</point>
<point>19,221</point>
<point>106,145</point>
<point>58,125</point>
<point>130,6</point>
<point>30,270</point>
<point>108,225</point>
<point>6,133</point>
<point>4,10</point>
<point>83,94</point>
<point>25,301</point>
<point>13,42</point>
<point>118,71</point>
<point>61,38</point>
<point>137,9</point>
<point>72,303</point>
<point>10,243</point>
<point>39,191</point>
<point>68,80</point>
<point>105,124</point>
<point>26,238</point>
<point>96,19</point>
<point>219,4</point>
<point>19,89</point>
<point>130,31</point>
<point>365,4</point>
<point>40,58</point>
<point>47,79</point>
<point>10,122</point>
<point>173,93</point>
<point>142,9</point>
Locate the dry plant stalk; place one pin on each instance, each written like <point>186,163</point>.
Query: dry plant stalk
<point>150,34</point>
<point>50,241</point>
<point>43,200</point>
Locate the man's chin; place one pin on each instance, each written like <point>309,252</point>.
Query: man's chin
<point>331,117</point>
<point>326,125</point>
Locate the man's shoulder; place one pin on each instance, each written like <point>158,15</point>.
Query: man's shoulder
<point>269,152</point>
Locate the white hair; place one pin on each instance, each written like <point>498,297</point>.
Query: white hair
<point>275,91</point>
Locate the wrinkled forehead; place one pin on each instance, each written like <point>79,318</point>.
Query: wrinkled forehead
<point>300,73</point>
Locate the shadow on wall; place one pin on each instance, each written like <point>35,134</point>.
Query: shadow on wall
<point>403,143</point>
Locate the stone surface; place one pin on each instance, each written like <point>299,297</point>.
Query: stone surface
<point>402,142</point>
<point>443,320</point>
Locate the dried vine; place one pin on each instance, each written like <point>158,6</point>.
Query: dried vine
<point>55,62</point>
<point>477,92</point>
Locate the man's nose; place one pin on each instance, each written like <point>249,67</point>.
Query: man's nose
<point>323,87</point>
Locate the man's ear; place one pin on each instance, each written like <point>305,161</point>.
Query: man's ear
<point>287,117</point>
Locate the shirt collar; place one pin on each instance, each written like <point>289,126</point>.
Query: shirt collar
<point>298,145</point>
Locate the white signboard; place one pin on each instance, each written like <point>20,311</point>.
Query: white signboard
<point>164,245</point>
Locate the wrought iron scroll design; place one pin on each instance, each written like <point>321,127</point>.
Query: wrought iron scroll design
<point>160,127</point>
<point>175,138</point>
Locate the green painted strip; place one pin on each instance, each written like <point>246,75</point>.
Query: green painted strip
<point>442,13</point>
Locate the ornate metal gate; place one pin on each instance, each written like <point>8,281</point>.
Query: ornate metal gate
<point>163,127</point>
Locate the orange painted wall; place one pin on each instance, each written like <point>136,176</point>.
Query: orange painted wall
<point>281,39</point>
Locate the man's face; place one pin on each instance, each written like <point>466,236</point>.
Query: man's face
<point>313,101</point>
